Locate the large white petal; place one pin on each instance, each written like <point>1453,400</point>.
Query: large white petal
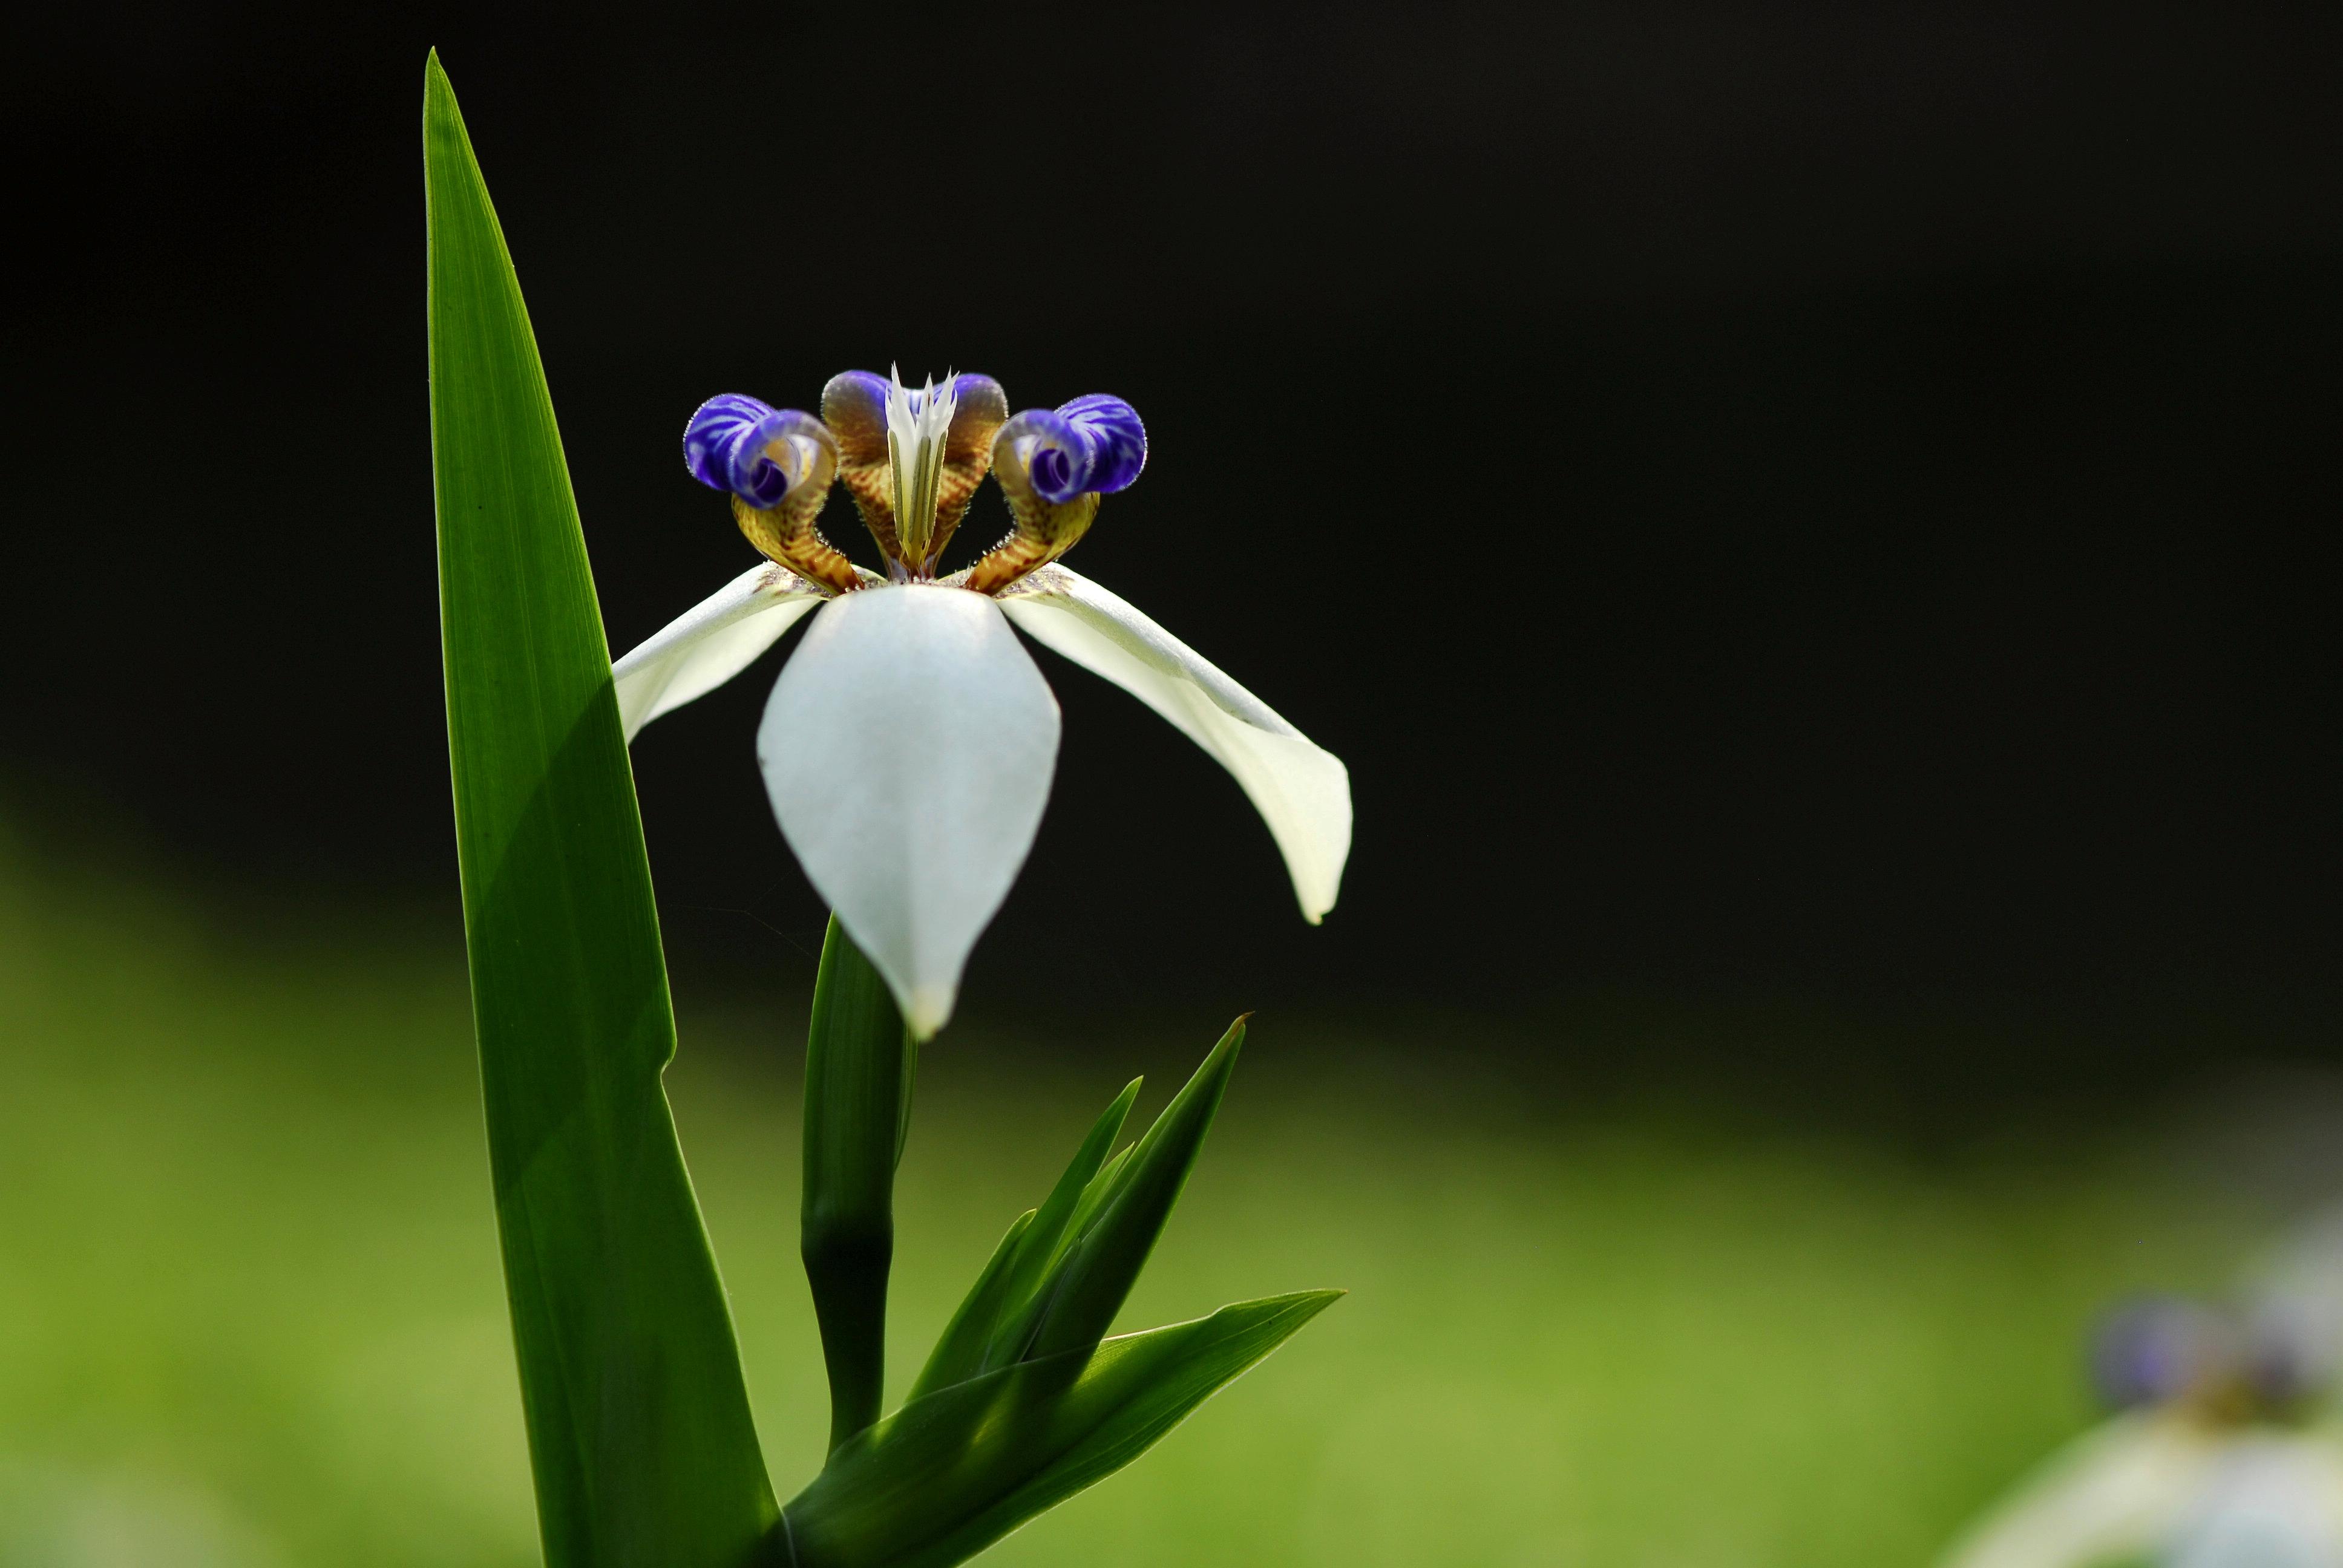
<point>1302,792</point>
<point>709,643</point>
<point>907,748</point>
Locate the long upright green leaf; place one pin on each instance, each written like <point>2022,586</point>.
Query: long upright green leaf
<point>947,1475</point>
<point>860,1065</point>
<point>639,1424</point>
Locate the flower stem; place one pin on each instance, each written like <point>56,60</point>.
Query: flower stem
<point>860,1065</point>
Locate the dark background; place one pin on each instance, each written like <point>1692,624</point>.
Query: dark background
<point>1769,503</point>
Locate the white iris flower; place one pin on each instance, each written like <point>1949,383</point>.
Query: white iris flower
<point>2228,1452</point>
<point>908,744</point>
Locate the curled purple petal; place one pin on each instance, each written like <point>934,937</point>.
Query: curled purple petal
<point>1118,441</point>
<point>2155,1350</point>
<point>1093,443</point>
<point>1062,460</point>
<point>856,401</point>
<point>969,387</point>
<point>726,444</point>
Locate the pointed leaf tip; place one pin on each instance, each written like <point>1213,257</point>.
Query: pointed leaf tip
<point>1060,1222</point>
<point>1076,1305</point>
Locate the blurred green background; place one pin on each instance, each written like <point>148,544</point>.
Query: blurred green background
<point>250,1311</point>
<point>1807,527</point>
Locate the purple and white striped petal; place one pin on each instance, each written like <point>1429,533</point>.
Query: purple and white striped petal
<point>1093,444</point>
<point>749,447</point>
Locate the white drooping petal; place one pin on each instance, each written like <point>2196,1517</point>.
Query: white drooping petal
<point>908,749</point>
<point>1302,792</point>
<point>2116,1493</point>
<point>2275,1498</point>
<point>709,643</point>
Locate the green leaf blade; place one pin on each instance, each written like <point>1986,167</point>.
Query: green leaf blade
<point>960,1350</point>
<point>639,1434</point>
<point>860,1062</point>
<point>1060,1220</point>
<point>1078,1302</point>
<point>977,1337</point>
<point>948,1476</point>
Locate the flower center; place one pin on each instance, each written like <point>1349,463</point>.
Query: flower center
<point>913,460</point>
<point>919,426</point>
